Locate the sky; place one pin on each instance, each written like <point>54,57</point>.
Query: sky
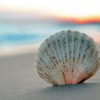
<point>63,8</point>
<point>39,16</point>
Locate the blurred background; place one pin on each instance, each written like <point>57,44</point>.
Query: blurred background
<point>24,24</point>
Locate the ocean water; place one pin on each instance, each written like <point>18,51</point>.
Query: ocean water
<point>18,34</point>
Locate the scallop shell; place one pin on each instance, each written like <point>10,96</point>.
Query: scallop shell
<point>67,57</point>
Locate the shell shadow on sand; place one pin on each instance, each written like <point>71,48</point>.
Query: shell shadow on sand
<point>85,91</point>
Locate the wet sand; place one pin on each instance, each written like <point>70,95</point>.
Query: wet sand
<point>19,81</point>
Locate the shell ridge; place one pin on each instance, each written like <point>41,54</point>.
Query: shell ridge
<point>56,65</point>
<point>64,58</point>
<point>66,76</point>
<point>62,55</point>
<point>60,64</point>
<point>87,58</point>
<point>67,50</point>
<point>68,57</point>
<point>77,57</point>
<point>59,46</point>
<point>63,51</point>
<point>56,50</point>
<point>72,55</point>
<point>92,61</point>
<point>83,55</point>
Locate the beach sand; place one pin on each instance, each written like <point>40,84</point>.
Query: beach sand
<point>19,81</point>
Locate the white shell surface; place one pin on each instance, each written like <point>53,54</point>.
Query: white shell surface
<point>67,57</point>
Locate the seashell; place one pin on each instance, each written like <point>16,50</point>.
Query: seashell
<point>67,57</point>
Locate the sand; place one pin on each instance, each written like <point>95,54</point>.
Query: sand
<point>19,81</point>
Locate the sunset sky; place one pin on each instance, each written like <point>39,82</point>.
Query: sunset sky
<point>26,12</point>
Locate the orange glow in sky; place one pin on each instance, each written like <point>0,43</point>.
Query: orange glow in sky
<point>80,20</point>
<point>77,11</point>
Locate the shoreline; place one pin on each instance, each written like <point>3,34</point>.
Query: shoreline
<point>11,50</point>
